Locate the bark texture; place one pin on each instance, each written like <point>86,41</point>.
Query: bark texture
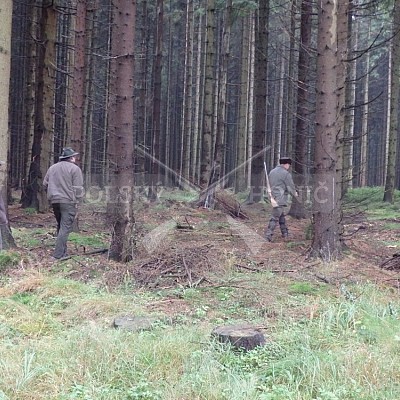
<point>120,196</point>
<point>326,206</point>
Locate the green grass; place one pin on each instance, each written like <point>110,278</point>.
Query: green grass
<point>25,237</point>
<point>30,211</point>
<point>40,237</point>
<point>392,226</point>
<point>57,342</point>
<point>95,240</point>
<point>386,212</point>
<point>303,288</point>
<point>370,199</point>
<point>8,259</point>
<point>364,196</point>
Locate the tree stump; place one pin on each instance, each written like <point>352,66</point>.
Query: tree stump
<point>134,324</point>
<point>242,336</point>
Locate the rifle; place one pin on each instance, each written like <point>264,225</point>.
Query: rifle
<point>274,204</point>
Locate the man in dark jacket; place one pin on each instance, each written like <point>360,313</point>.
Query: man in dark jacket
<point>64,185</point>
<point>281,183</point>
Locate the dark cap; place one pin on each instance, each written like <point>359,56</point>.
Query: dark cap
<point>285,160</point>
<point>67,153</point>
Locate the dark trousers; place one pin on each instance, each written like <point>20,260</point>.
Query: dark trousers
<point>65,216</point>
<point>277,216</point>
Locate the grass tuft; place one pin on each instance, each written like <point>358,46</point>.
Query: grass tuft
<point>8,259</point>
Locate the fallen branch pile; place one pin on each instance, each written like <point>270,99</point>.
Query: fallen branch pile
<point>185,267</point>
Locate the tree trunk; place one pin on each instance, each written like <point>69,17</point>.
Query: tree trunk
<point>86,157</point>
<point>342,51</point>
<point>168,175</point>
<point>21,94</point>
<point>142,109</point>
<point>297,209</point>
<point>364,124</point>
<point>209,87</point>
<point>35,196</point>
<point>326,207</point>
<point>243,123</point>
<point>78,81</point>
<point>5,64</point>
<point>394,104</point>
<point>121,141</point>
<point>260,100</point>
<point>279,134</point>
<point>221,109</point>
<point>348,144</point>
<point>31,74</point>
<point>187,94</point>
<point>195,167</point>
<point>290,90</point>
<point>252,64</point>
<point>156,114</point>
<point>78,91</point>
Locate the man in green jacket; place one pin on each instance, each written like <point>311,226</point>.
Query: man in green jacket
<point>64,185</point>
<point>281,183</point>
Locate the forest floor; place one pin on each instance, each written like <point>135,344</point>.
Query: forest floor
<point>331,328</point>
<point>180,245</point>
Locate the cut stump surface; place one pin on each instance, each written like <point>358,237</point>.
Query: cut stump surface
<point>245,337</point>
